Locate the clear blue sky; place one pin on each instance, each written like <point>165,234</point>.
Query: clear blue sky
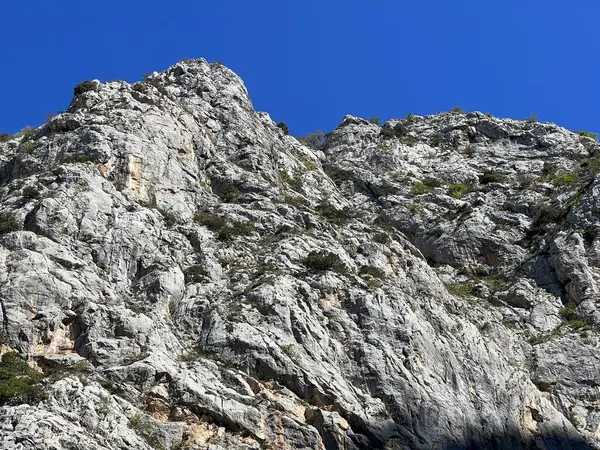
<point>310,62</point>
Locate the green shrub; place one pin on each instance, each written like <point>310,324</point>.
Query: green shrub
<point>146,429</point>
<point>185,106</point>
<point>372,271</point>
<point>548,170</point>
<point>211,221</point>
<point>231,230</point>
<point>432,182</point>
<point>30,192</point>
<point>80,159</point>
<point>225,231</point>
<point>592,163</point>
<point>190,356</point>
<point>491,176</point>
<point>194,274</point>
<point>19,383</point>
<point>532,118</point>
<point>322,260</point>
<point>410,117</point>
<point>485,328</point>
<point>588,134</point>
<point>373,283</point>
<point>26,147</point>
<point>375,120</point>
<point>382,238</point>
<point>546,214</point>
<point>458,190</point>
<point>408,139</point>
<point>415,208</point>
<point>26,133</point>
<point>230,194</point>
<point>80,366</point>
<point>315,140</point>
<point>140,87</point>
<point>294,200</point>
<point>563,179</point>
<point>460,289</point>
<point>86,86</point>
<point>5,137</point>
<point>182,445</point>
<point>333,215</point>
<point>308,164</point>
<point>578,324</point>
<point>568,311</point>
<point>420,188</point>
<point>8,223</point>
<point>283,126</point>
<point>289,350</point>
<point>457,109</point>
<point>294,183</point>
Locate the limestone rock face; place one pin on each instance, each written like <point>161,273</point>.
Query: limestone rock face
<point>186,275</point>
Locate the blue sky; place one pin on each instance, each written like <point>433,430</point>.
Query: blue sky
<point>308,63</point>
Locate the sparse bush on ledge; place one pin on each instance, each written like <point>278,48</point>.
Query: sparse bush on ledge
<point>294,200</point>
<point>146,429</point>
<point>283,126</point>
<point>30,192</point>
<point>194,274</point>
<point>26,133</point>
<point>491,176</point>
<point>140,87</point>
<point>19,383</point>
<point>234,229</point>
<point>459,190</point>
<point>420,188</point>
<point>460,289</point>
<point>85,86</point>
<point>593,163</point>
<point>588,134</point>
<point>315,140</point>
<point>295,183</point>
<point>333,215</point>
<point>225,231</point>
<point>322,260</point>
<point>27,147</point>
<point>8,223</point>
<point>562,179</point>
<point>230,194</point>
<point>547,214</point>
<point>211,221</point>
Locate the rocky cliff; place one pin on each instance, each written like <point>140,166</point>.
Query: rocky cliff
<point>180,273</point>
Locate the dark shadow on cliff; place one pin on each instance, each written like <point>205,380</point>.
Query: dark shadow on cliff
<point>394,437</point>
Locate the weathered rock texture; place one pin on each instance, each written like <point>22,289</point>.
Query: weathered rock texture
<point>188,276</point>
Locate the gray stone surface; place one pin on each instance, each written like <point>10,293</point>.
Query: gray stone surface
<point>188,276</point>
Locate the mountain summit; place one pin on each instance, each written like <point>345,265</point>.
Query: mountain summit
<point>179,273</point>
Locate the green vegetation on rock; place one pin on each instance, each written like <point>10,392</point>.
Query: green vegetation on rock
<point>8,223</point>
<point>459,190</point>
<point>19,383</point>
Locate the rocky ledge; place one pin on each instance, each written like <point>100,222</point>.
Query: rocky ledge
<point>178,273</point>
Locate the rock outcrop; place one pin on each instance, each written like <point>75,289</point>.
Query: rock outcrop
<point>184,274</point>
